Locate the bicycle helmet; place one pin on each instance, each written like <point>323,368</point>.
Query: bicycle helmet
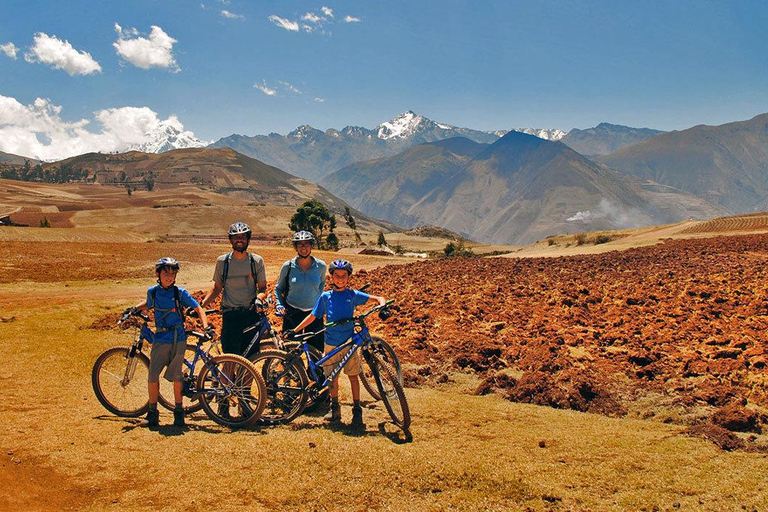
<point>340,264</point>
<point>303,236</point>
<point>239,228</point>
<point>166,262</point>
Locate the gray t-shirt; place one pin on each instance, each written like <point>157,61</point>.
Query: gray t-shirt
<point>240,288</point>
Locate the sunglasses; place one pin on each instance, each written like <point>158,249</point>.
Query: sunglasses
<point>304,244</point>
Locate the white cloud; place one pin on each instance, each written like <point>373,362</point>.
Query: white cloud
<point>293,26</point>
<point>9,49</point>
<point>266,90</point>
<point>290,87</point>
<point>320,100</point>
<point>232,15</point>
<point>351,19</point>
<point>61,55</point>
<point>312,18</point>
<point>38,131</point>
<point>327,11</point>
<point>155,51</point>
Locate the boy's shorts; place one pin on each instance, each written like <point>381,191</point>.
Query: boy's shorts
<point>354,365</point>
<point>166,354</point>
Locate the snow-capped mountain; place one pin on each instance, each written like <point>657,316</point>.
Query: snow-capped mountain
<point>542,133</point>
<point>167,135</point>
<point>313,154</point>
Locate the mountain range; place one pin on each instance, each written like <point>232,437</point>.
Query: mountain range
<point>726,165</point>
<point>517,190</point>
<point>605,138</point>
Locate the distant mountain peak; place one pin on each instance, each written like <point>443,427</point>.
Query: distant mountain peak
<point>403,126</point>
<point>168,135</point>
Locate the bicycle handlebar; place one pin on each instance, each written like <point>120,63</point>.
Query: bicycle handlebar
<point>362,316</point>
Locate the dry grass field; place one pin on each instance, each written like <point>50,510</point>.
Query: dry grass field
<point>62,451</point>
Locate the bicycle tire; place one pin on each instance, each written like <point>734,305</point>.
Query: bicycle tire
<point>392,393</point>
<point>313,399</point>
<point>366,377</point>
<point>166,398</point>
<point>286,386</point>
<point>238,405</point>
<point>129,399</point>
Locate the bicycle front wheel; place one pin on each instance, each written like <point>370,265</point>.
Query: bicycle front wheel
<point>190,400</point>
<point>231,392</point>
<point>387,353</point>
<point>120,382</point>
<point>286,386</point>
<point>391,390</point>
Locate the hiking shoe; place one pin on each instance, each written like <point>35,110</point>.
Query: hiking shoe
<point>334,415</point>
<point>357,418</point>
<point>178,418</point>
<point>153,418</point>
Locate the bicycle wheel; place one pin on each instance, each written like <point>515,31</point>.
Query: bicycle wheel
<point>120,382</point>
<point>314,399</point>
<point>387,353</point>
<point>391,390</point>
<point>190,400</point>
<point>231,391</point>
<point>286,386</point>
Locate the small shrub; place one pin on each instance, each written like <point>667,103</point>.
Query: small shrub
<point>581,238</point>
<point>602,239</point>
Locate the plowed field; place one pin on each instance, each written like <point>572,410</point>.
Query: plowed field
<point>684,322</point>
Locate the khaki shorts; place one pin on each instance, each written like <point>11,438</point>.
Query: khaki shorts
<point>354,365</point>
<point>166,354</point>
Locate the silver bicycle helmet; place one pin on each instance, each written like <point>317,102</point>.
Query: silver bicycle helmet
<point>303,236</point>
<point>166,262</point>
<point>238,228</point>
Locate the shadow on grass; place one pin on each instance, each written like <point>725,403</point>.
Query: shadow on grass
<point>168,430</point>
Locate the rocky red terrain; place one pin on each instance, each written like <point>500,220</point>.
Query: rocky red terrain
<point>685,321</point>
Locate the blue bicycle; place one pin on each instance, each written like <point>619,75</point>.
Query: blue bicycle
<point>290,386</point>
<point>227,387</point>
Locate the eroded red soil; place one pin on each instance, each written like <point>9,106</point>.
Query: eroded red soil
<point>686,319</point>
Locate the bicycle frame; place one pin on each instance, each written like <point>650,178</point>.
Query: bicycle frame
<point>353,343</point>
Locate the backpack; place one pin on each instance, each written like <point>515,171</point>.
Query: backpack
<point>176,300</point>
<point>253,270</point>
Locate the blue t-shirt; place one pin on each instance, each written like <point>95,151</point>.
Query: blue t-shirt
<point>166,316</point>
<point>338,306</point>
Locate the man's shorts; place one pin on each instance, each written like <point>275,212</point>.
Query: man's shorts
<point>166,354</point>
<point>354,365</point>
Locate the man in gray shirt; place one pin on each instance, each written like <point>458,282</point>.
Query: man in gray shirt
<point>242,278</point>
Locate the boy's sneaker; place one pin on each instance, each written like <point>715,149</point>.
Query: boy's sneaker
<point>357,418</point>
<point>153,418</point>
<point>178,418</point>
<point>334,415</point>
<point>224,411</point>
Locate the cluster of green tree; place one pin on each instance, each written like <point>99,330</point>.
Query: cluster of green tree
<point>64,173</point>
<point>313,216</point>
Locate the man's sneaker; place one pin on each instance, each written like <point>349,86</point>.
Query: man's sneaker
<point>357,418</point>
<point>224,411</point>
<point>334,415</point>
<point>178,418</point>
<point>153,418</point>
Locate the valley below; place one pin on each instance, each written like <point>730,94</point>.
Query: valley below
<point>631,379</point>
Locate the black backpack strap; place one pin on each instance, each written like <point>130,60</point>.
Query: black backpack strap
<point>253,273</point>
<point>226,268</point>
<point>177,300</point>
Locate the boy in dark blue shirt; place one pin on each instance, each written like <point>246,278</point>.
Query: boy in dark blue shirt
<point>170,340</point>
<point>337,304</point>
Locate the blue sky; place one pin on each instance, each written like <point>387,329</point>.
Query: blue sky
<point>75,72</point>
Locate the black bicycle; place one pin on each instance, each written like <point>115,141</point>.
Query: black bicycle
<point>227,387</point>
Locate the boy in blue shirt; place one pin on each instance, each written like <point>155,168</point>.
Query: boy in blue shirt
<point>337,304</point>
<point>170,340</point>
